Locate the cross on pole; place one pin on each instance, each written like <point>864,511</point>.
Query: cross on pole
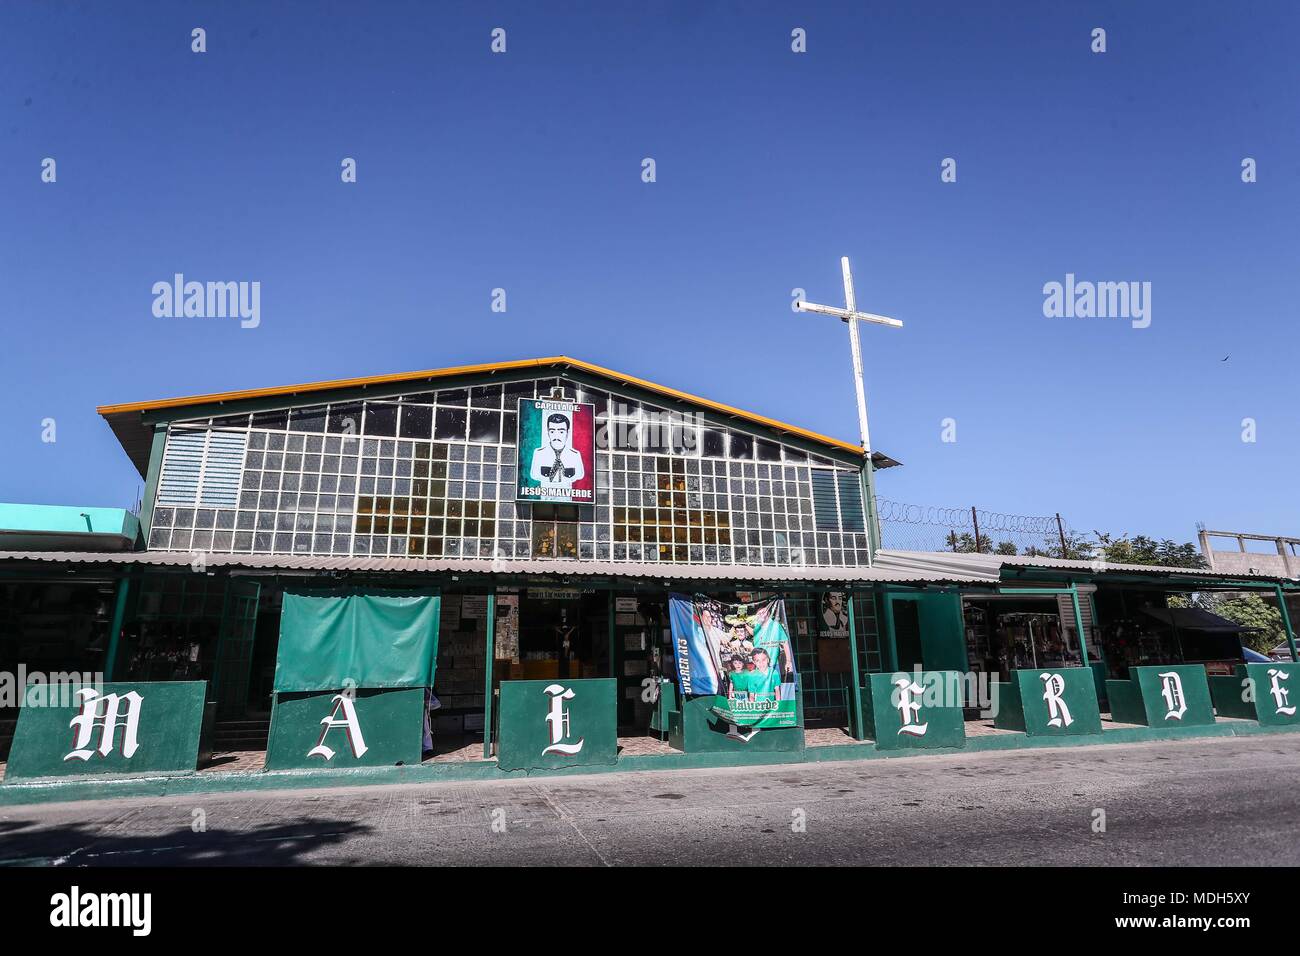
<point>852,316</point>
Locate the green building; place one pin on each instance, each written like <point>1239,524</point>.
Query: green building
<point>546,565</point>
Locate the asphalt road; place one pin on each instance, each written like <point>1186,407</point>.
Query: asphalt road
<point>1204,802</point>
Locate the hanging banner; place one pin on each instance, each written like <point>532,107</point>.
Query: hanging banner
<point>557,452</point>
<point>739,652</point>
<point>833,616</point>
<point>356,637</point>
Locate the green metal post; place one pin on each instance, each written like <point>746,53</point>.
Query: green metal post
<point>888,642</point>
<point>1286,621</point>
<point>869,505</point>
<point>115,627</point>
<point>613,671</point>
<point>489,657</point>
<point>858,732</point>
<point>156,450</point>
<point>1096,624</point>
<point>1078,624</point>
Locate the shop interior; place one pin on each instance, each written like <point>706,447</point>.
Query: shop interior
<point>1006,633</point>
<point>1139,628</point>
<point>54,627</point>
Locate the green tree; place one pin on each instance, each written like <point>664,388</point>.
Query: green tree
<point>964,543</point>
<point>1253,611</point>
<point>1076,548</point>
<point>1143,550</point>
<point>1147,550</point>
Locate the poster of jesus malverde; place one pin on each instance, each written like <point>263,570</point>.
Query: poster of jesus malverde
<point>557,452</point>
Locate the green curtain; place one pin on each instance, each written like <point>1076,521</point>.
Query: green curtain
<point>362,638</point>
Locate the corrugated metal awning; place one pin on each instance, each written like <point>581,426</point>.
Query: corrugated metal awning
<point>551,568</point>
<point>990,566</point>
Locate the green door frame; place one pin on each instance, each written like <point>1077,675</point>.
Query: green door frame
<point>115,627</point>
<point>236,619</point>
<point>609,624</point>
<point>489,658</point>
<point>888,640</point>
<point>858,731</point>
<point>1286,621</point>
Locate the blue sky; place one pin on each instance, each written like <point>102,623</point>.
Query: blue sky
<point>522,171</point>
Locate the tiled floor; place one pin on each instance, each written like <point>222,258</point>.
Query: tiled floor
<point>457,749</point>
<point>236,760</point>
<point>827,737</point>
<point>985,728</point>
<point>639,746</point>
<point>646,746</point>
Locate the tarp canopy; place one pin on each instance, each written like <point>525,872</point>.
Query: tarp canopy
<point>337,638</point>
<point>1196,619</point>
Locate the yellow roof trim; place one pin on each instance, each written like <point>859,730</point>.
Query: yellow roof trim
<point>477,370</point>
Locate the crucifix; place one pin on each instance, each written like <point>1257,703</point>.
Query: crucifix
<point>852,316</point>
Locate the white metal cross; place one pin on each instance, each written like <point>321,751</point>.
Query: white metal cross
<point>852,316</point>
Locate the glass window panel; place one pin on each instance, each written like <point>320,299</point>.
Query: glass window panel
<point>484,426</point>
<point>275,420</point>
<point>307,419</point>
<point>417,421</point>
<point>485,396</point>
<point>517,390</point>
<point>450,424</point>
<point>381,419</point>
<point>345,419</point>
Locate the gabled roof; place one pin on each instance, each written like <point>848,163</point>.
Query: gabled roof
<point>129,424</point>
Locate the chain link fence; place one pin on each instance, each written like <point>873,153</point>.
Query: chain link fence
<point>910,527</point>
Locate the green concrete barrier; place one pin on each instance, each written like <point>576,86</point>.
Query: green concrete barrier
<point>901,712</point>
<point>1269,693</point>
<point>1170,695</point>
<point>557,723</point>
<point>1049,701</point>
<point>665,706</point>
<point>118,728</point>
<point>695,728</point>
<point>330,729</point>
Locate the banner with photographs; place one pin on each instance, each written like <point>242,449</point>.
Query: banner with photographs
<point>739,652</point>
<point>557,452</point>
